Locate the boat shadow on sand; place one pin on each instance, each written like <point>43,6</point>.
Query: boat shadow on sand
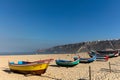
<point>54,66</point>
<point>108,70</point>
<point>60,66</point>
<point>9,72</point>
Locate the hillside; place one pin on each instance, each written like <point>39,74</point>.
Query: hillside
<point>84,46</point>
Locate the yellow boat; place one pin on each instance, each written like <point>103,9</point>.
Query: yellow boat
<point>31,68</point>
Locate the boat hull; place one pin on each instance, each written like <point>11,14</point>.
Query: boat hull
<point>85,60</point>
<point>110,54</point>
<point>37,72</point>
<point>33,68</point>
<point>99,57</point>
<point>66,63</point>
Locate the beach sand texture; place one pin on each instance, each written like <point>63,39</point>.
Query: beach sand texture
<point>99,70</point>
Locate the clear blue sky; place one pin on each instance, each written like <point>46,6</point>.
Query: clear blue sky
<point>27,25</point>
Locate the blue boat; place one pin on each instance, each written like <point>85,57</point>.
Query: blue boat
<point>85,60</point>
<point>99,57</point>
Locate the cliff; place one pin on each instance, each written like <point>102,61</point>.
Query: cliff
<point>85,46</point>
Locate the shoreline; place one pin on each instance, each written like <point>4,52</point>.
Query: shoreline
<point>32,53</point>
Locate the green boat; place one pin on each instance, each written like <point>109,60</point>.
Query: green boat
<point>67,63</point>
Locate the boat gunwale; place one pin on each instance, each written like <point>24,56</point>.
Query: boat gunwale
<point>29,64</point>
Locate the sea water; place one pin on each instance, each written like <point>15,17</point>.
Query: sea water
<point>17,53</point>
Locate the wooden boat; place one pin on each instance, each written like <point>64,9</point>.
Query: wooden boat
<point>86,60</point>
<point>67,63</point>
<point>37,68</point>
<point>109,53</point>
<point>38,61</point>
<point>99,57</point>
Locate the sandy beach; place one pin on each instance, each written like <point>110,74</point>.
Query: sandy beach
<point>99,70</point>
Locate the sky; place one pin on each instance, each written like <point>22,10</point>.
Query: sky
<point>28,25</point>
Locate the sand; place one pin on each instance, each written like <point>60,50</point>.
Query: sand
<point>99,69</point>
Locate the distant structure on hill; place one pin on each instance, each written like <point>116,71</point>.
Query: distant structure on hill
<point>85,46</point>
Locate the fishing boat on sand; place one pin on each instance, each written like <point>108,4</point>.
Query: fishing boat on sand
<point>36,68</point>
<point>85,60</point>
<point>66,63</point>
<point>109,53</point>
<point>99,57</point>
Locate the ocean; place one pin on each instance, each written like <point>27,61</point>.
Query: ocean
<point>28,53</point>
<point>17,53</point>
